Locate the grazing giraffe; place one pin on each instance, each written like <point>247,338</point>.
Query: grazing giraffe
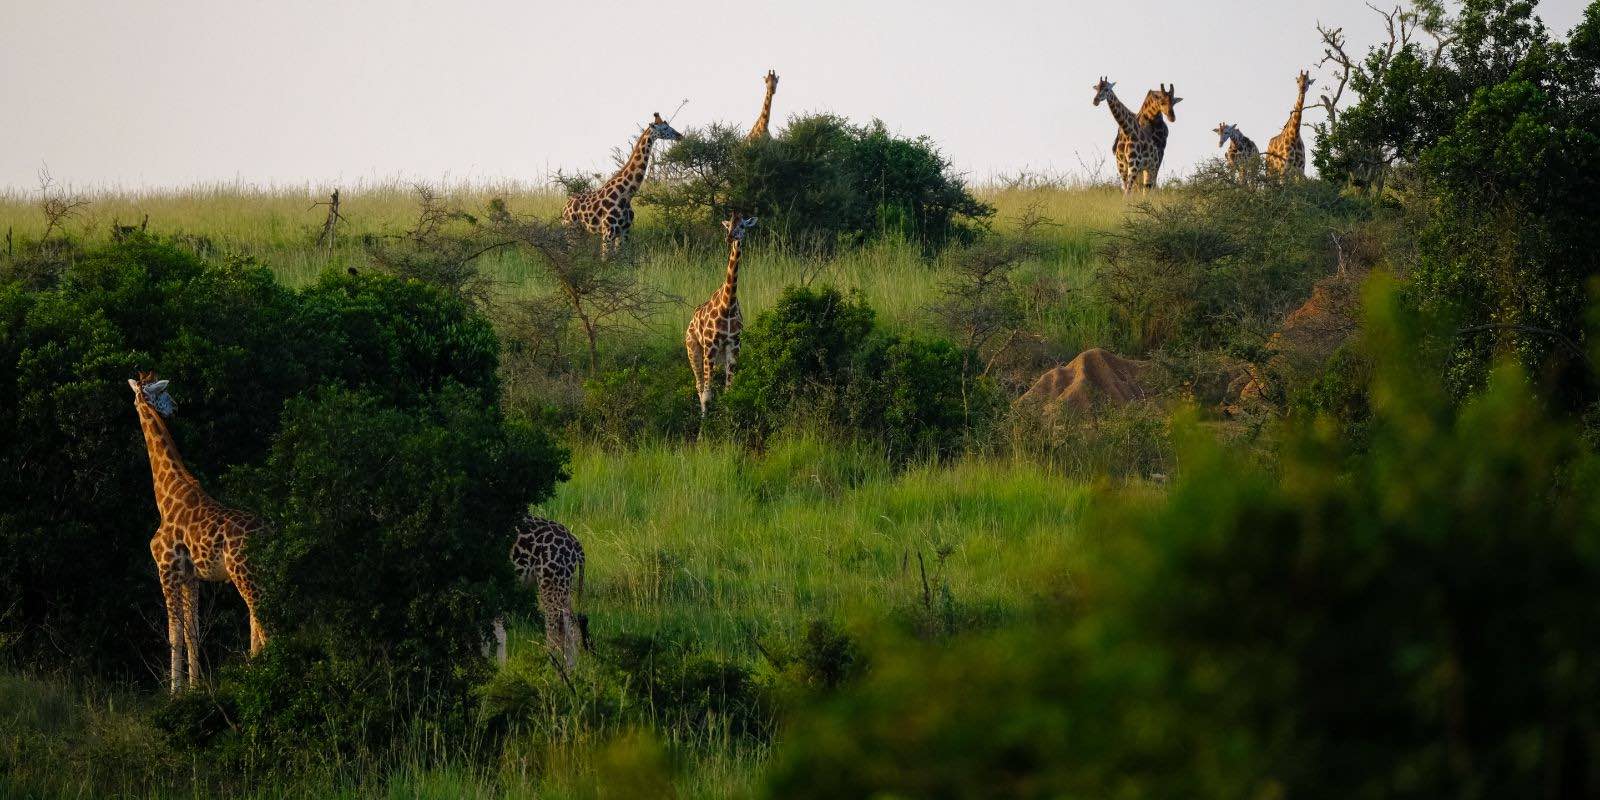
<point>1240,149</point>
<point>1141,141</point>
<point>1286,153</point>
<point>198,539</point>
<point>713,333</point>
<point>546,553</point>
<point>759,130</point>
<point>608,209</point>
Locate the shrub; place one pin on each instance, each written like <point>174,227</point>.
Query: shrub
<point>1350,624</point>
<point>652,397</point>
<point>816,359</point>
<point>391,528</point>
<point>1219,263</point>
<point>821,180</point>
<point>75,496</point>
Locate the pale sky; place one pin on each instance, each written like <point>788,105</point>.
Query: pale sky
<point>175,92</point>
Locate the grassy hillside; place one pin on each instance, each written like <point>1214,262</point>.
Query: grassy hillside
<point>279,227</point>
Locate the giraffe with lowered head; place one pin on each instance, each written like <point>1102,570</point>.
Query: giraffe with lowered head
<point>199,539</point>
<point>713,334</point>
<point>1241,150</point>
<point>1286,153</point>
<point>608,209</point>
<point>759,130</point>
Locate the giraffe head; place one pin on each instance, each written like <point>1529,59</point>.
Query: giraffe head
<point>147,390</point>
<point>772,81</point>
<point>1304,81</point>
<point>1102,90</point>
<point>1165,100</point>
<point>659,129</point>
<point>737,226</point>
<point>1225,132</point>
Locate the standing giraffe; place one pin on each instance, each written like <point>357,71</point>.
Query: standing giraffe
<point>713,333</point>
<point>759,130</point>
<point>546,553</point>
<point>1141,141</point>
<point>1240,149</point>
<point>1286,153</point>
<point>199,539</point>
<point>608,209</point>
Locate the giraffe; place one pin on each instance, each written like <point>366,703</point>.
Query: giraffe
<point>1141,141</point>
<point>199,539</point>
<point>1286,153</point>
<point>1241,150</point>
<point>546,553</point>
<point>713,333</point>
<point>608,209</point>
<point>758,131</point>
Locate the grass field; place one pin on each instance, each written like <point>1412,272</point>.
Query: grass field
<point>710,547</point>
<point>707,545</point>
<point>279,226</point>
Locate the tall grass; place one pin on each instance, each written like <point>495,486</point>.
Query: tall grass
<point>279,225</point>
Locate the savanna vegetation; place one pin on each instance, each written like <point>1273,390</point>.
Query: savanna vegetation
<point>1340,538</point>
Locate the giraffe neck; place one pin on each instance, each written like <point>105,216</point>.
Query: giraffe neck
<point>1124,117</point>
<point>730,285</point>
<point>760,128</point>
<point>1150,112</point>
<point>1292,127</point>
<point>175,486</point>
<point>631,176</point>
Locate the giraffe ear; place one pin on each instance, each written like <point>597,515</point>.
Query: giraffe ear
<point>727,225</point>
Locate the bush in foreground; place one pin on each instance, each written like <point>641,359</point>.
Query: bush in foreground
<point>1413,620</point>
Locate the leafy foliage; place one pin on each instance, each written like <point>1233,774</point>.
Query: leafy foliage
<point>817,358</point>
<point>820,181</point>
<point>1248,636</point>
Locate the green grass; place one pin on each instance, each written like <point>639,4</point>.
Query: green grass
<point>707,544</point>
<point>278,226</point>
<point>710,545</point>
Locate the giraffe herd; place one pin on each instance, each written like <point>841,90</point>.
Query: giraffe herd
<point>199,539</point>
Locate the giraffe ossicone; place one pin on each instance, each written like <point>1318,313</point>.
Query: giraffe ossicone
<point>199,539</point>
<point>607,210</point>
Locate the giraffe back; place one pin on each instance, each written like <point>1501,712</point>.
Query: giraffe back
<point>546,554</point>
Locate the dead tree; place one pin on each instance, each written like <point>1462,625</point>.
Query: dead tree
<point>331,223</point>
<point>58,205</point>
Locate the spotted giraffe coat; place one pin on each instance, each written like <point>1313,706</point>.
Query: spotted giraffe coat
<point>547,555</point>
<point>607,210</point>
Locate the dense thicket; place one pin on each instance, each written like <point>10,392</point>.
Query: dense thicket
<point>1498,136</point>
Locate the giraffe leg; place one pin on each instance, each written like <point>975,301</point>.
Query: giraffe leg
<point>172,594</point>
<point>191,628</point>
<point>728,359</point>
<point>691,343</point>
<point>550,609</point>
<point>499,640</point>
<point>708,366</point>
<point>239,575</point>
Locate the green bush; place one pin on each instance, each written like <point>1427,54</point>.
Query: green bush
<point>650,398</point>
<point>821,181</point>
<point>1218,264</point>
<point>75,492</point>
<point>816,360</point>
<point>391,528</point>
<point>1411,620</point>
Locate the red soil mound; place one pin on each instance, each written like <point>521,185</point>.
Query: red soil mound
<point>1095,377</point>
